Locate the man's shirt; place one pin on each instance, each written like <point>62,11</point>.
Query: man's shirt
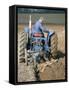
<point>37,28</point>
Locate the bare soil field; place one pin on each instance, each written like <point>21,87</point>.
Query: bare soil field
<point>47,70</point>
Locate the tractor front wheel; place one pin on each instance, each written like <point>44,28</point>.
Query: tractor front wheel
<point>54,43</point>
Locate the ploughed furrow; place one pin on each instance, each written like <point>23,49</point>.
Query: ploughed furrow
<point>26,73</point>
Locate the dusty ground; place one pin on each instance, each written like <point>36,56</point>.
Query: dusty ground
<point>54,71</point>
<point>26,73</point>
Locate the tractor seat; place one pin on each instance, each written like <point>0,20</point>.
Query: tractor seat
<point>37,35</point>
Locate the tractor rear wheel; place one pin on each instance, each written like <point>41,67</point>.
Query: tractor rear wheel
<point>54,43</point>
<point>22,45</point>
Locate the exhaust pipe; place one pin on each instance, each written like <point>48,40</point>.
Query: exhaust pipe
<point>30,25</point>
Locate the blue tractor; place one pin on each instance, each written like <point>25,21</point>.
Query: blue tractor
<point>41,45</point>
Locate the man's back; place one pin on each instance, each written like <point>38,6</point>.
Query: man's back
<point>37,28</point>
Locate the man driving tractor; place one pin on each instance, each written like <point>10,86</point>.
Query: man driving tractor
<point>37,29</point>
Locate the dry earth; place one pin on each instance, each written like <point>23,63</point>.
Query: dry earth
<point>53,71</point>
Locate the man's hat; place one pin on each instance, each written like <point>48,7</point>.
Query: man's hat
<point>41,19</point>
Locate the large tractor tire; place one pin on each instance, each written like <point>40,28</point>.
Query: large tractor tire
<point>22,46</point>
<point>54,43</point>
